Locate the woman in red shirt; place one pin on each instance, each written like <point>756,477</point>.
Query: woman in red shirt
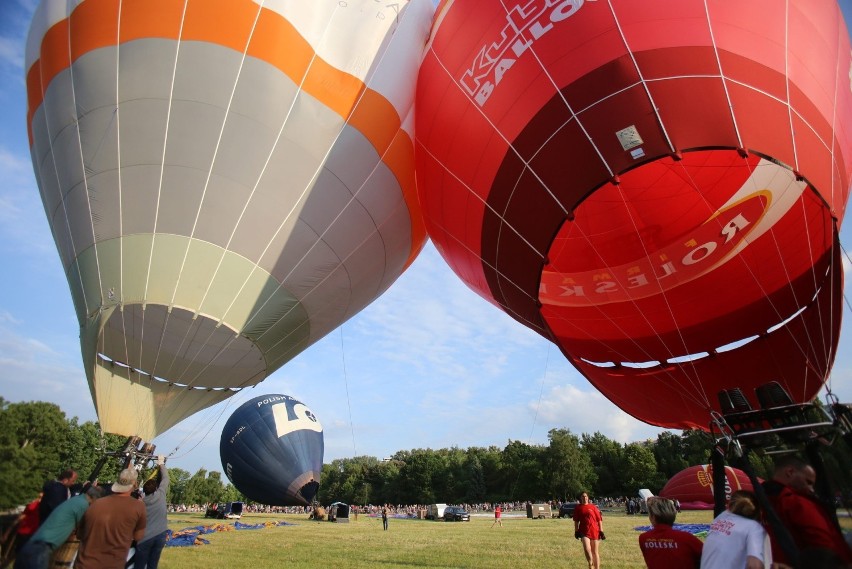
<point>588,527</point>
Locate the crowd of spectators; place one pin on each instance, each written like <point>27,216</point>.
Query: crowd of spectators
<point>403,510</point>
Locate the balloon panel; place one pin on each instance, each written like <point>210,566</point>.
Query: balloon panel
<point>647,185</point>
<point>693,486</point>
<point>226,182</point>
<point>272,450</point>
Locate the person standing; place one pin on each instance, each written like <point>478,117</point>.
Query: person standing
<point>498,512</point>
<point>736,538</point>
<point>588,527</point>
<point>150,547</point>
<point>111,524</point>
<point>385,517</point>
<point>55,492</point>
<point>663,546</point>
<point>55,530</point>
<point>791,495</point>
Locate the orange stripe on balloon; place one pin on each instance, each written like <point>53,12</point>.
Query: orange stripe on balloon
<point>137,23</point>
<point>400,158</point>
<point>228,23</point>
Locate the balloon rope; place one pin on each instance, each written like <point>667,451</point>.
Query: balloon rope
<point>541,391</point>
<point>192,434</point>
<point>346,384</point>
<point>535,418</point>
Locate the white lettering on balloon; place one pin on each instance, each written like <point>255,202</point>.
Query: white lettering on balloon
<point>525,23</point>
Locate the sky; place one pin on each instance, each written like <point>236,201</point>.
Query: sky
<point>429,364</point>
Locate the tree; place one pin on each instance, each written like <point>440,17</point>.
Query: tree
<point>524,468</point>
<point>606,456</point>
<point>384,479</point>
<point>696,446</point>
<point>416,476</point>
<point>34,447</point>
<point>491,459</point>
<point>203,488</point>
<point>87,444</point>
<point>475,490</point>
<point>570,469</point>
<point>669,451</point>
<point>178,479</point>
<point>640,469</point>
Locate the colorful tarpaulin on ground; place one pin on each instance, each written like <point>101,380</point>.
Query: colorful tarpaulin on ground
<point>192,535</point>
<point>699,530</point>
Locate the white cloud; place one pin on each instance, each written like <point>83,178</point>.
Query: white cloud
<point>587,411</point>
<point>33,370</point>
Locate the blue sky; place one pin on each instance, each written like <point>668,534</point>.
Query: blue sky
<point>427,365</point>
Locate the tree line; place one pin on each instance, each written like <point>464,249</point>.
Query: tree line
<point>561,470</point>
<point>37,441</point>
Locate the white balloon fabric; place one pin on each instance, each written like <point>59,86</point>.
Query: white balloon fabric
<point>226,181</point>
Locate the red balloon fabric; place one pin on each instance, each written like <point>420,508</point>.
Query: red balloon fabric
<point>693,486</point>
<point>655,186</point>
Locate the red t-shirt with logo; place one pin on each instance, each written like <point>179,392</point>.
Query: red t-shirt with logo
<point>664,547</point>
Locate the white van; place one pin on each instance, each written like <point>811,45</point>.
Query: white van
<point>644,494</point>
<point>435,511</point>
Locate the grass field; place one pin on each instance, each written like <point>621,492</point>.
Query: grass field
<point>521,542</point>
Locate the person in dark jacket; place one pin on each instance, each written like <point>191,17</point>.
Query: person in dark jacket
<point>55,492</point>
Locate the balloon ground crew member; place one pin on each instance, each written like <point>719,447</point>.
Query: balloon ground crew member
<point>56,530</point>
<point>111,524</point>
<point>150,547</point>
<point>55,492</point>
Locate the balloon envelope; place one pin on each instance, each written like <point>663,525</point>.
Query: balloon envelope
<point>693,486</point>
<point>272,449</point>
<point>226,181</point>
<point>654,186</point>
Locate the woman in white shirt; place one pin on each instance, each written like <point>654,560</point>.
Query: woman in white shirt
<point>736,539</point>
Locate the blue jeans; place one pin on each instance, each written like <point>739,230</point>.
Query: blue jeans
<point>34,555</point>
<point>148,551</point>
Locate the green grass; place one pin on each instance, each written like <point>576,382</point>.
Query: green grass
<point>521,542</point>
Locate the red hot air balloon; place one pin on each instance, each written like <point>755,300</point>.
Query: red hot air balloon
<point>693,486</point>
<point>655,186</point>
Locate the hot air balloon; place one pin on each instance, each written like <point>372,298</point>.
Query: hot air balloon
<point>271,450</point>
<point>226,181</point>
<point>654,186</point>
<point>693,486</point>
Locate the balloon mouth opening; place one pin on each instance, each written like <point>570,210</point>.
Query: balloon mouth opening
<point>309,490</point>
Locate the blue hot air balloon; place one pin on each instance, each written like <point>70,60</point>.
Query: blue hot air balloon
<point>272,449</point>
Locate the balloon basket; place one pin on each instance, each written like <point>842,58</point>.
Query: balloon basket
<point>65,556</point>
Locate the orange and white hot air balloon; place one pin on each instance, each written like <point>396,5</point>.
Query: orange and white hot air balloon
<point>227,181</point>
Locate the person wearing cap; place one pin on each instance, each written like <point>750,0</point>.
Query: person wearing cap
<point>111,525</point>
<point>56,530</point>
<point>150,547</point>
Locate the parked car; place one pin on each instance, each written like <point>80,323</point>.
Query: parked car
<point>456,514</point>
<point>566,509</point>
